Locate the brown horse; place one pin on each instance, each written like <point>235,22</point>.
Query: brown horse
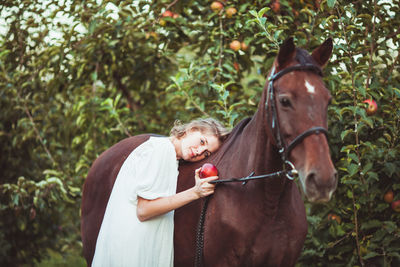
<point>261,223</point>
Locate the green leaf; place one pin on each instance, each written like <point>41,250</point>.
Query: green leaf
<point>253,13</point>
<point>367,167</point>
<point>369,255</point>
<point>390,226</point>
<point>345,133</point>
<point>350,194</point>
<point>371,224</point>
<point>352,169</point>
<point>262,11</point>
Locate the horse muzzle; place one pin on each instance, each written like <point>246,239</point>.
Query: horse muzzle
<point>319,186</point>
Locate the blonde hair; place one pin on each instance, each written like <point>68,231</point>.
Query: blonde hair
<point>206,125</point>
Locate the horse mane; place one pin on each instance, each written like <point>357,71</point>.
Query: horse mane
<point>237,129</point>
<point>303,57</point>
<point>226,145</point>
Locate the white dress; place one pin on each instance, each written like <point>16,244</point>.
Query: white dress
<point>150,172</point>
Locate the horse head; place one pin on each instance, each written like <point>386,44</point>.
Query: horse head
<point>296,114</point>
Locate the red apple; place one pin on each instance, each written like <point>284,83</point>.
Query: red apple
<point>244,46</point>
<point>276,6</point>
<point>235,45</point>
<point>216,6</point>
<point>230,12</point>
<point>175,15</point>
<point>208,170</point>
<point>236,66</point>
<point>388,197</point>
<point>396,205</point>
<point>334,217</point>
<point>167,14</point>
<point>372,106</point>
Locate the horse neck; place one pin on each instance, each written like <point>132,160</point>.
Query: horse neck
<point>255,147</point>
<point>264,157</point>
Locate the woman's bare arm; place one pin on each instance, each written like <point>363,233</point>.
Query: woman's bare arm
<point>147,209</point>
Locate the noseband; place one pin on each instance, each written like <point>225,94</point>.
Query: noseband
<point>284,150</point>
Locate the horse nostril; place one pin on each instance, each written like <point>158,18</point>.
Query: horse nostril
<point>319,187</point>
<point>311,180</point>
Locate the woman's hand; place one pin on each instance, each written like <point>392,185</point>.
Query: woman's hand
<point>202,188</point>
<point>148,209</point>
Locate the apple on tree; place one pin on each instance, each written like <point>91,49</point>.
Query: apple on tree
<point>208,170</point>
<point>389,196</point>
<point>216,6</point>
<point>230,12</point>
<point>372,107</point>
<point>276,6</point>
<point>167,13</point>
<point>396,205</point>
<point>334,217</point>
<point>235,45</point>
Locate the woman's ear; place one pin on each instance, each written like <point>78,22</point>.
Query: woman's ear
<point>182,135</point>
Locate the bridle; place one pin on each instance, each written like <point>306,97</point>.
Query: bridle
<point>283,149</point>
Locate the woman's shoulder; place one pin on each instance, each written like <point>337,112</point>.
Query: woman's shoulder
<point>157,143</point>
<point>155,148</point>
<point>159,140</point>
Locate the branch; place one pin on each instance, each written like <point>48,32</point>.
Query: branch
<point>356,230</point>
<point>28,113</point>
<point>350,54</point>
<point>391,69</point>
<point>340,240</point>
<point>172,4</point>
<point>195,104</point>
<point>368,81</point>
<point>94,82</point>
<point>221,44</point>
<point>134,106</point>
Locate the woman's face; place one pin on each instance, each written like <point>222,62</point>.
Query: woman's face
<point>195,145</point>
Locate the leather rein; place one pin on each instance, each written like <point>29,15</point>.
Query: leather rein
<point>283,149</point>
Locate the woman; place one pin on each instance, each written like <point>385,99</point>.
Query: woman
<point>137,228</point>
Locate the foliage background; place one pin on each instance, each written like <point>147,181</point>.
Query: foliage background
<point>78,76</point>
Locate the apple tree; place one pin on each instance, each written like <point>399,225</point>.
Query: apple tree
<point>78,76</point>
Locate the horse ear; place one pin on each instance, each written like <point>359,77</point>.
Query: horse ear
<point>322,54</point>
<point>286,54</point>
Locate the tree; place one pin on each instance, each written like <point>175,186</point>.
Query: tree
<point>120,68</point>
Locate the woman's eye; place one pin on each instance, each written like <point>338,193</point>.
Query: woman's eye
<point>285,102</point>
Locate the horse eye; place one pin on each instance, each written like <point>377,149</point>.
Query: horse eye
<point>285,102</point>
